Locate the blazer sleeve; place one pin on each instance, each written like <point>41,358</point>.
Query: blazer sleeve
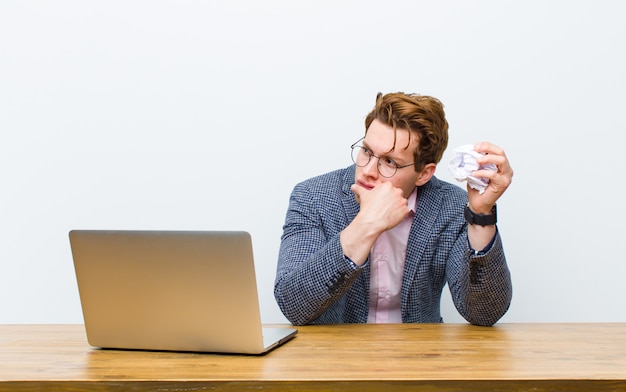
<point>312,272</point>
<point>480,285</point>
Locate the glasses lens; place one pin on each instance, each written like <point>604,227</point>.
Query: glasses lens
<point>360,156</point>
<point>386,169</point>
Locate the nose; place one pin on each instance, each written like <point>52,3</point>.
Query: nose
<point>371,169</point>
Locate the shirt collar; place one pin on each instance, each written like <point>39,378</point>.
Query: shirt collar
<point>412,201</point>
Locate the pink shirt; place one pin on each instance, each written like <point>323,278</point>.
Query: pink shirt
<point>386,269</point>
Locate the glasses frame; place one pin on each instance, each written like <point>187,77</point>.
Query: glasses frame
<point>378,164</point>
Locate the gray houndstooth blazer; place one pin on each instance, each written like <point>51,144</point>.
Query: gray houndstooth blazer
<point>316,284</point>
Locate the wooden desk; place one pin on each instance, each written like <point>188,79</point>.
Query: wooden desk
<point>454,357</point>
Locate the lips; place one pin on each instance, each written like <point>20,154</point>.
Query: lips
<point>365,185</point>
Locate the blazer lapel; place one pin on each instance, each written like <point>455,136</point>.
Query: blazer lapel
<point>428,204</point>
<point>350,206</point>
<point>361,285</point>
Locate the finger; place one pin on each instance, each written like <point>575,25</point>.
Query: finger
<point>356,189</point>
<point>488,148</point>
<point>499,160</point>
<point>496,157</point>
<point>498,183</point>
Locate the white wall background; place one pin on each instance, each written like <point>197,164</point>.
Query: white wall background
<point>202,115</point>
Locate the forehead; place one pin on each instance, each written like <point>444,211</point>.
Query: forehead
<point>383,139</point>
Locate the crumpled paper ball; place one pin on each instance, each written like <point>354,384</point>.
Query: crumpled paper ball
<point>464,163</point>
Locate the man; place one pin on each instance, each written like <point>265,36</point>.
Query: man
<point>377,241</point>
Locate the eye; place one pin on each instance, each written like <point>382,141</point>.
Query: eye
<point>366,150</point>
<point>389,162</point>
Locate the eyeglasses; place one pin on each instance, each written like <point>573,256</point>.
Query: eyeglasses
<point>362,156</point>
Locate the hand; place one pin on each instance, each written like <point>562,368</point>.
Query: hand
<point>499,180</point>
<point>383,206</point>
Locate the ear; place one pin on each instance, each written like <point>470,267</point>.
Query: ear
<point>426,174</point>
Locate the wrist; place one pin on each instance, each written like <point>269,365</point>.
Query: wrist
<point>486,219</point>
<point>356,244</point>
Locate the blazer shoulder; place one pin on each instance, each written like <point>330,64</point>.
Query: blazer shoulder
<point>446,192</point>
<point>340,180</point>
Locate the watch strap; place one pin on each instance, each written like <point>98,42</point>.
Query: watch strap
<point>481,219</point>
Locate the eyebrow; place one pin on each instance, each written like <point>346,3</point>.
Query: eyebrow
<point>386,154</point>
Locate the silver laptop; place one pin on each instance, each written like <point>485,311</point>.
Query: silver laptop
<point>171,291</point>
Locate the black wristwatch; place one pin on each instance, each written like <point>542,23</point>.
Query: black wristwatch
<point>481,219</point>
